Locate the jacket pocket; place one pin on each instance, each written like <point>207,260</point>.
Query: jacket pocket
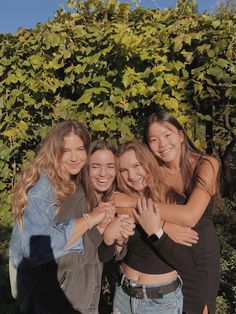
<point>62,279</point>
<point>82,288</point>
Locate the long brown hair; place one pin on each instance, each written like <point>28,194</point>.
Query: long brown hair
<point>154,189</point>
<point>89,191</point>
<point>189,170</point>
<point>48,159</point>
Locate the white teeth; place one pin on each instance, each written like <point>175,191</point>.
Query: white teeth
<point>165,151</point>
<point>102,180</point>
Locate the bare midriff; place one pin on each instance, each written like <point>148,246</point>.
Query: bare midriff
<point>148,279</point>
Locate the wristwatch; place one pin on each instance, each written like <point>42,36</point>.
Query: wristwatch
<point>156,236</point>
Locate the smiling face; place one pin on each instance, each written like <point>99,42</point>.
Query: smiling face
<point>165,141</point>
<point>74,154</point>
<point>102,170</point>
<point>132,171</point>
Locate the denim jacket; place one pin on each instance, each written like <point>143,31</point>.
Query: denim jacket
<point>41,239</point>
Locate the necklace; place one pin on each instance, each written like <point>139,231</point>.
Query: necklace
<point>173,175</point>
<point>172,178</point>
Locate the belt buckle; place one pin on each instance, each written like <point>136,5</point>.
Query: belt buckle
<point>138,293</point>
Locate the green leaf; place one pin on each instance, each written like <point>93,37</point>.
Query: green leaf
<point>178,43</point>
<point>231,92</point>
<point>86,97</point>
<point>98,125</point>
<point>210,53</point>
<point>1,70</point>
<point>52,40</point>
<point>216,72</point>
<point>203,48</point>
<point>171,79</point>
<point>171,103</point>
<point>112,125</point>
<point>22,125</point>
<point>216,24</point>
<point>188,39</point>
<point>108,111</point>
<point>222,63</point>
<point>36,61</point>
<point>97,111</point>
<point>198,87</point>
<point>158,83</point>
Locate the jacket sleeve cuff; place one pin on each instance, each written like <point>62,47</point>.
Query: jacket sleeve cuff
<point>67,227</point>
<point>106,252</point>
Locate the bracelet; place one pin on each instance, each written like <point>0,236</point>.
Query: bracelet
<point>88,220</point>
<point>118,244</point>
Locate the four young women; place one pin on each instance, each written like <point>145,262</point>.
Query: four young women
<point>156,188</point>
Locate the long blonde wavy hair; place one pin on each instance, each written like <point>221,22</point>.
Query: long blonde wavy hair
<point>48,159</point>
<point>154,187</point>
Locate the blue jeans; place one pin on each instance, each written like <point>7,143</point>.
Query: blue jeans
<point>171,303</point>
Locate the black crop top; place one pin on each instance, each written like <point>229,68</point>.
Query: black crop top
<point>143,257</point>
<point>159,257</point>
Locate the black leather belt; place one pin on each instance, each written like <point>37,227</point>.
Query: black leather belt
<point>141,291</point>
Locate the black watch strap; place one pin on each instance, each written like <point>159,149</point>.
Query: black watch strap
<point>153,238</point>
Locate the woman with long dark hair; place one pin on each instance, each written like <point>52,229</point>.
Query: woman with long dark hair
<point>195,175</point>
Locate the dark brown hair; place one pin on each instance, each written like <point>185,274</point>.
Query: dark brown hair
<point>189,172</point>
<point>89,191</point>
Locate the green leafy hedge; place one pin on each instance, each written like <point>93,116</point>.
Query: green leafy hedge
<point>110,67</point>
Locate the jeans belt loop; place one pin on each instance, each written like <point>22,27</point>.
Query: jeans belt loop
<point>144,292</point>
<point>180,280</point>
<point>122,279</point>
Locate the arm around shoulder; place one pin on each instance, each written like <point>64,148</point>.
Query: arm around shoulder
<point>205,188</point>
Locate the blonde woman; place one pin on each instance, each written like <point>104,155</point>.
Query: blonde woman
<point>40,238</point>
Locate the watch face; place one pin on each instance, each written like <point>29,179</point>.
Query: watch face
<point>153,237</point>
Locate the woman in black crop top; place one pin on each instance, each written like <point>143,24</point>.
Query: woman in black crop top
<point>149,283</point>
<point>186,170</point>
